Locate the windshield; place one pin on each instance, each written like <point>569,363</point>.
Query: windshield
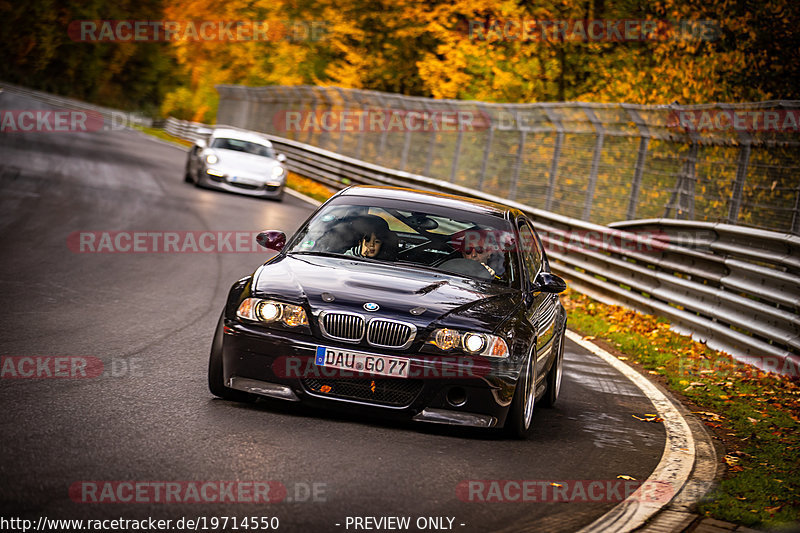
<point>476,245</point>
<point>238,145</point>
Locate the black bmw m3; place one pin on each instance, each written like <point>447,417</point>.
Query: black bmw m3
<point>401,303</point>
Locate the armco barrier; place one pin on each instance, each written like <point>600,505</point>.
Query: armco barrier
<point>115,118</point>
<point>735,287</point>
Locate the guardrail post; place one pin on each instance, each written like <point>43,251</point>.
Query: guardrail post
<point>641,157</point>
<point>558,143</point>
<point>598,149</point>
<point>457,152</point>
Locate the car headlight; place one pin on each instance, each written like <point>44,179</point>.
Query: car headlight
<point>278,172</point>
<point>474,343</point>
<point>212,159</point>
<point>269,311</point>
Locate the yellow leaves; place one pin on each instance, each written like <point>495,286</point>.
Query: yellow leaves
<point>626,478</point>
<point>649,418</point>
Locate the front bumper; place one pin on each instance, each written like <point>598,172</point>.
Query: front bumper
<point>222,183</point>
<point>280,364</point>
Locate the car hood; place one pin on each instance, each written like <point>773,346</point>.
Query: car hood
<point>435,297</point>
<point>241,163</point>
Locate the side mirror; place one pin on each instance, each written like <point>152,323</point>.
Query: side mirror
<point>200,144</point>
<point>272,240</point>
<point>281,158</point>
<point>548,282</point>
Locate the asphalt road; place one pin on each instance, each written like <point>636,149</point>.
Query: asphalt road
<point>149,317</point>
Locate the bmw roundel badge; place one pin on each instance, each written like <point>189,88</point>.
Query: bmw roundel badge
<point>371,306</point>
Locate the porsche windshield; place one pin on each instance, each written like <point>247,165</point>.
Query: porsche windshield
<point>239,145</point>
<point>477,245</point>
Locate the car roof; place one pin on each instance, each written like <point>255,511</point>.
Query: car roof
<point>231,133</point>
<point>431,198</point>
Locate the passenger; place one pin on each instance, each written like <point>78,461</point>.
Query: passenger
<point>375,239</point>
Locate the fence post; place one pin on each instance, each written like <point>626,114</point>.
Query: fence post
<point>796,214</point>
<point>557,144</point>
<point>345,110</point>
<point>359,97</point>
<point>487,147</point>
<point>738,185</point>
<point>512,193</point>
<point>406,137</point>
<point>305,91</point>
<point>385,132</point>
<point>598,149</point>
<point>641,157</point>
<point>431,147</point>
<point>457,152</point>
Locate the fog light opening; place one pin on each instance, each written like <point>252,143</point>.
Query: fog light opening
<point>457,396</point>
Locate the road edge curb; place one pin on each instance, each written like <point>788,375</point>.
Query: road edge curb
<point>678,461</point>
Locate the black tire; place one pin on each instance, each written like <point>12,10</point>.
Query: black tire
<point>187,176</point>
<point>216,378</point>
<point>519,423</point>
<point>554,375</point>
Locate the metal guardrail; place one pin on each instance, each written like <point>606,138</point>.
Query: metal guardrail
<point>184,129</point>
<point>113,118</point>
<point>734,287</point>
<point>598,162</point>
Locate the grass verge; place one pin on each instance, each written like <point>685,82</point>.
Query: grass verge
<point>164,136</point>
<point>309,187</point>
<point>754,413</point>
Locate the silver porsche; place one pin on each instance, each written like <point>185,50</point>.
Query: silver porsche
<point>237,161</point>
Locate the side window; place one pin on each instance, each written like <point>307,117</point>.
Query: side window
<point>531,253</point>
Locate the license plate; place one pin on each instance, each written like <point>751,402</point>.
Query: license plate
<point>368,363</point>
<point>238,179</point>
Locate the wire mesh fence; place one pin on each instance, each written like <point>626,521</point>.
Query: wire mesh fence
<point>735,163</point>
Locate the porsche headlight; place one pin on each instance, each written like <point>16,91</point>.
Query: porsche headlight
<point>474,343</point>
<point>212,159</point>
<point>278,172</point>
<point>269,311</point>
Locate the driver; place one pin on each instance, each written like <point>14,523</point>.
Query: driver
<point>482,255</point>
